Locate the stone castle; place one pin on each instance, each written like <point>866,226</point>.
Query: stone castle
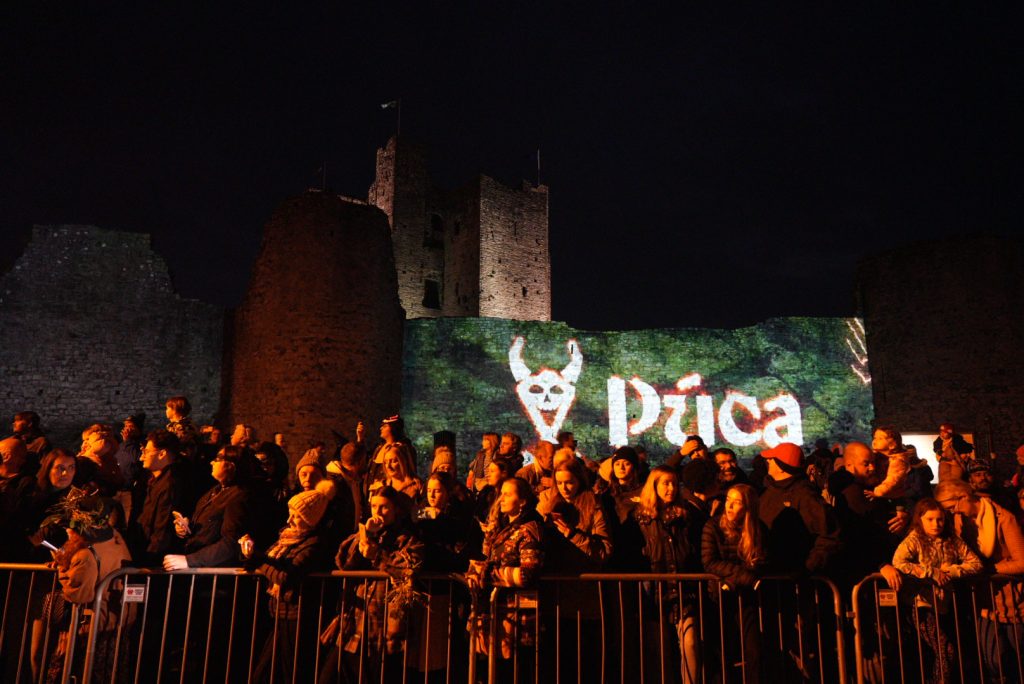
<point>91,328</point>
<point>480,250</point>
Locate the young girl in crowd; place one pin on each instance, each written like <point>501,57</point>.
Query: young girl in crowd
<point>930,556</point>
<point>400,475</point>
<point>732,547</point>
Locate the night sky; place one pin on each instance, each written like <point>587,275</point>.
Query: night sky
<point>707,167</point>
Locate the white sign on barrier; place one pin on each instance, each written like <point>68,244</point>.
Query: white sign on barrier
<point>135,593</point>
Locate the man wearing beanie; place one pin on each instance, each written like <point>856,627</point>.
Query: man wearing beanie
<point>803,533</point>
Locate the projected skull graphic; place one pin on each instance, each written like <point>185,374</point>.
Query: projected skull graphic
<point>547,395</point>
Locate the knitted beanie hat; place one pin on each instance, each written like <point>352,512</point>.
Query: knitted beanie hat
<point>312,458</point>
<point>311,505</point>
<point>442,457</point>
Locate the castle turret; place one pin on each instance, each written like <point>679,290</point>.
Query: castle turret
<point>479,250</point>
<point>317,342</point>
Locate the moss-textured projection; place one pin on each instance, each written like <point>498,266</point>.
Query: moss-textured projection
<point>785,379</point>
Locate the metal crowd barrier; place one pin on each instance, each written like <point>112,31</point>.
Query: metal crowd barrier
<point>211,625</point>
<point>961,632</point>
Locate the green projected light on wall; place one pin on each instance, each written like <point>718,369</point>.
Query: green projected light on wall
<point>789,379</point>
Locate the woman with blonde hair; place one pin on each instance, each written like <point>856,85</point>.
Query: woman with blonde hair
<point>732,547</point>
<point>662,519</point>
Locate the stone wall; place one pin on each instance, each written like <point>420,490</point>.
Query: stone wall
<point>92,330</point>
<point>317,342</point>
<point>945,336</point>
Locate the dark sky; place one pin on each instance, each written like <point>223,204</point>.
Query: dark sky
<point>707,167</point>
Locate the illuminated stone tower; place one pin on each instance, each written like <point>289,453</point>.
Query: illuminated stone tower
<point>317,342</point>
<point>479,250</point>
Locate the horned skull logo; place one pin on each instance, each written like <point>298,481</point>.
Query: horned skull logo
<point>546,395</point>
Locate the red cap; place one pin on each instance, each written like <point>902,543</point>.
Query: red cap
<point>787,452</point>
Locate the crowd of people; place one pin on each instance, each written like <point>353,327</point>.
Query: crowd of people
<point>179,497</point>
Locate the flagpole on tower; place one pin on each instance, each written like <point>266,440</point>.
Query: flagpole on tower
<point>538,167</point>
<point>397,106</point>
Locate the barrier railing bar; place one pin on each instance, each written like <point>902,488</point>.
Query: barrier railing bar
<point>209,628</point>
<point>231,632</point>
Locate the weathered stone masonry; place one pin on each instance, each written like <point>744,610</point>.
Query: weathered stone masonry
<point>91,329</point>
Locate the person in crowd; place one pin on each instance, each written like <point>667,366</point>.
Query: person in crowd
<point>511,449</point>
<point>379,612</point>
<point>870,531</point>
<point>576,530</point>
<point>485,509</point>
<point>701,498</point>
<point>297,552</point>
<point>512,557</point>
<point>309,471</point>
<point>618,489</point>
<point>445,528</point>
<point>459,496</point>
<point>244,436</point>
<point>733,547</point>
<point>871,528</point>
<point>272,472</point>
<point>803,534</point>
<point>393,437</point>
<point>25,426</point>
<point>979,476</point>
<point>894,463</point>
<point>729,472</point>
<point>576,539</point>
<point>178,410</point>
<point>489,444</point>
<point>16,492</point>
<point>127,457</point>
<point>567,440</point>
<point>53,484</point>
<point>349,472</point>
<point>952,452</point>
<point>98,470</point>
<point>166,491</point>
<point>220,519</point>
<point>820,464</point>
<point>1017,481</point>
<point>538,474</point>
<point>995,535</point>
<point>399,474</point>
<point>94,549</point>
<point>661,516</point>
<point>931,556</point>
<point>693,448</point>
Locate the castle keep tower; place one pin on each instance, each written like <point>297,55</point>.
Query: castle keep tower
<point>317,342</point>
<point>480,250</point>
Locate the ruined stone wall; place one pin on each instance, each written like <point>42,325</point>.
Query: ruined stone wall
<point>317,342</point>
<point>945,336</point>
<point>92,330</point>
<point>515,266</point>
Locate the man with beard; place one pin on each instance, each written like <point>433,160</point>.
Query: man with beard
<point>729,471</point>
<point>871,528</point>
<point>979,476</point>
